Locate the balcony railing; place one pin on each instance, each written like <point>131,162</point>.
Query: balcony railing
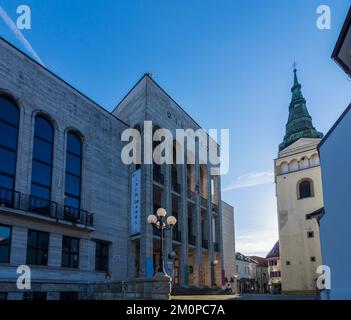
<point>159,177</point>
<point>42,206</point>
<point>9,198</point>
<point>192,240</point>
<point>77,216</point>
<point>205,243</point>
<point>177,235</point>
<point>176,187</point>
<point>29,203</point>
<point>216,246</point>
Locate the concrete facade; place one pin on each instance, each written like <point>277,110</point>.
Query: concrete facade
<point>194,195</point>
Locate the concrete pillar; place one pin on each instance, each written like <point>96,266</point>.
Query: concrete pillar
<point>220,230</point>
<point>198,250</point>
<point>183,227</point>
<point>55,250</point>
<point>146,234</point>
<point>168,207</point>
<point>18,246</point>
<point>209,226</point>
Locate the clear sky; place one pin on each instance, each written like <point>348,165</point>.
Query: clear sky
<point>228,63</point>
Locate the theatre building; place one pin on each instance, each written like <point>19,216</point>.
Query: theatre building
<point>72,211</point>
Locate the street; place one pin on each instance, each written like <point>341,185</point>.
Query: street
<point>244,297</point>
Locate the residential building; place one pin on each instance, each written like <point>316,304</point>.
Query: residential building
<point>262,276</point>
<point>299,193</point>
<point>66,196</point>
<point>246,273</point>
<point>335,224</point>
<point>274,269</point>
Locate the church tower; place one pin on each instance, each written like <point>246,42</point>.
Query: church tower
<point>299,198</point>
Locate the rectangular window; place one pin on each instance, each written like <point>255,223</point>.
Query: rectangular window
<point>70,252</point>
<point>310,234</point>
<point>37,248</point>
<point>68,296</point>
<point>288,263</point>
<point>5,243</point>
<point>35,296</point>
<point>313,259</point>
<point>3,296</point>
<point>101,256</point>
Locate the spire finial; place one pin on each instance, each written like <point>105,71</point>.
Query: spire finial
<point>296,82</point>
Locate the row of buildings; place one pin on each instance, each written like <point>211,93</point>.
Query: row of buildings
<point>258,274</point>
<point>76,214</point>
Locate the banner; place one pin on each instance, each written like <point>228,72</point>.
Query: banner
<point>135,202</point>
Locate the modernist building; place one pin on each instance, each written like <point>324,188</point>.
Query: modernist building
<point>335,224</point>
<point>66,196</point>
<point>299,193</point>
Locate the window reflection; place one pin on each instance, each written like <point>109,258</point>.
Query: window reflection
<point>73,175</point>
<point>9,122</point>
<point>42,165</point>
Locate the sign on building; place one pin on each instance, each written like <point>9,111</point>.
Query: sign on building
<point>135,202</point>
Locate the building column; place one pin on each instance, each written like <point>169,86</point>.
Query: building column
<point>198,249</point>
<point>209,226</point>
<point>146,234</point>
<point>220,233</point>
<point>169,208</point>
<point>183,224</point>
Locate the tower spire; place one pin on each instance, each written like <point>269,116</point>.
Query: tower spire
<point>300,122</point>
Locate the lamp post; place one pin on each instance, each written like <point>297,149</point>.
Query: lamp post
<point>160,222</point>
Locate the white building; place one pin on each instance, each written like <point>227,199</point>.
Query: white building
<point>246,273</point>
<point>299,194</point>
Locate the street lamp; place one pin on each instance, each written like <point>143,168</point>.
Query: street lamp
<point>160,222</point>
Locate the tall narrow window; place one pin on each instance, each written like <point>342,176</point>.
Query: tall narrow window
<point>9,121</point>
<point>101,256</point>
<point>42,166</point>
<point>5,243</point>
<point>73,177</point>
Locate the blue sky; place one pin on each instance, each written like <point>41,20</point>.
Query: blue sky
<point>228,63</point>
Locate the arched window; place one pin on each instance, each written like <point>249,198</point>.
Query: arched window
<point>304,163</point>
<point>42,166</point>
<point>73,177</point>
<point>284,168</point>
<point>305,189</point>
<point>9,122</point>
<point>293,165</point>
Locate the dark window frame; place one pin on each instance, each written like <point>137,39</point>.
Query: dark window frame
<point>72,174</point>
<point>38,248</point>
<point>40,161</point>
<point>6,148</point>
<point>300,191</point>
<point>68,296</point>
<point>7,245</point>
<point>99,256</point>
<point>34,296</point>
<point>70,252</point>
<point>310,234</point>
<point>3,296</point>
